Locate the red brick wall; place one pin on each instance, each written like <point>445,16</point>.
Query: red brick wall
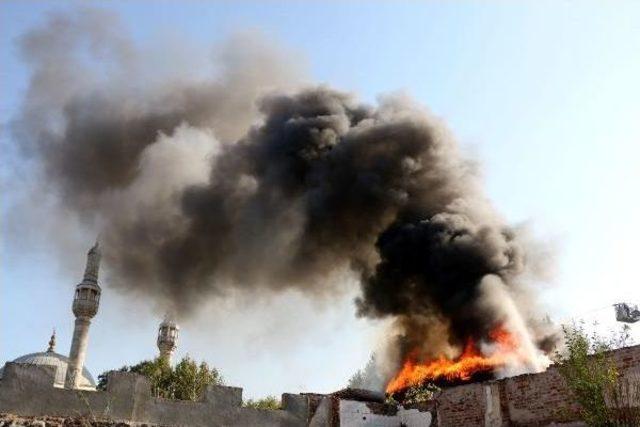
<point>462,406</point>
<point>628,359</point>
<point>525,400</point>
<point>537,399</point>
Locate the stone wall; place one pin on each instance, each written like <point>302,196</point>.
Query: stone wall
<point>526,400</point>
<point>27,390</point>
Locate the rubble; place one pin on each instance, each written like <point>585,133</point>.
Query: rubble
<point>10,420</point>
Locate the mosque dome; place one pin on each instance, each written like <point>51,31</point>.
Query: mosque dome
<point>60,362</point>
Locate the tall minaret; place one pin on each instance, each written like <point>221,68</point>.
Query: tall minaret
<point>85,306</point>
<point>167,338</point>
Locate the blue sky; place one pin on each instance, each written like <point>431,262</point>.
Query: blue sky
<point>544,93</point>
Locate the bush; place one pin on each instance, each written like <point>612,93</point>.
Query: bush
<point>269,402</point>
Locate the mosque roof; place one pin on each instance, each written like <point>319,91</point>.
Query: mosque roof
<point>58,361</point>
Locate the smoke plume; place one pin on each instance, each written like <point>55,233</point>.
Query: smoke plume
<point>242,181</point>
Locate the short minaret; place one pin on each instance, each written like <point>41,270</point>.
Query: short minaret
<point>85,306</point>
<point>167,338</point>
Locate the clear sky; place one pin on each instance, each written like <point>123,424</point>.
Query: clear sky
<point>544,93</point>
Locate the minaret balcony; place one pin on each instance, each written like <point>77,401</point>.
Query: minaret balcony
<point>85,308</point>
<point>86,300</point>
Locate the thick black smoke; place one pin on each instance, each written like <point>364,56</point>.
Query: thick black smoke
<point>435,267</point>
<point>305,193</point>
<point>198,193</point>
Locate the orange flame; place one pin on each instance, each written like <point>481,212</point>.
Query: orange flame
<point>471,362</point>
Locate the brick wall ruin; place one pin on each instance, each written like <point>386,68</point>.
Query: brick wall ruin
<point>526,400</point>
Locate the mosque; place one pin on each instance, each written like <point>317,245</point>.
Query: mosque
<point>70,371</point>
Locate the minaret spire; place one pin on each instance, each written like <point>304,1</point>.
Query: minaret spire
<point>52,342</point>
<point>85,306</point>
<point>93,264</point>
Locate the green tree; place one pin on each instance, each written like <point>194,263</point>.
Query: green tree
<point>157,371</point>
<point>589,370</point>
<point>190,380</point>
<point>187,381</point>
<point>357,380</point>
<point>368,377</point>
<point>269,402</point>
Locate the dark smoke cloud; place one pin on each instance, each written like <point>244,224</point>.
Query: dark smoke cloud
<point>94,104</point>
<point>199,188</point>
<point>305,193</point>
<point>434,266</point>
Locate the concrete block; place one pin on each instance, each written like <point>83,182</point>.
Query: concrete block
<point>128,383</point>
<point>28,375</point>
<point>221,395</point>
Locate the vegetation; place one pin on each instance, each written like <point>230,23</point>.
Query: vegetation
<point>269,402</point>
<point>368,377</point>
<point>357,380</point>
<point>187,381</point>
<point>414,394</point>
<point>605,398</point>
<point>420,393</point>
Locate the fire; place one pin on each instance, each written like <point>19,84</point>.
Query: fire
<point>470,364</point>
